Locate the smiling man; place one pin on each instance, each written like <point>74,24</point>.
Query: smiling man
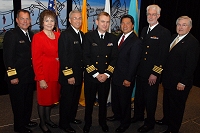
<point>123,80</point>
<point>178,74</point>
<point>155,40</point>
<point>99,56</point>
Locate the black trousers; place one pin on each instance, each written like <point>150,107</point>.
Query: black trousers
<point>173,107</point>
<point>69,100</point>
<point>121,103</point>
<point>145,98</point>
<point>21,97</point>
<point>90,90</point>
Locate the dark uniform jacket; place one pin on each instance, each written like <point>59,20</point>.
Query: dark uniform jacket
<point>128,60</point>
<point>100,55</point>
<point>17,56</point>
<point>70,56</point>
<point>155,49</point>
<point>181,62</point>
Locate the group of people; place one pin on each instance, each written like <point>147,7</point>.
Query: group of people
<point>57,62</point>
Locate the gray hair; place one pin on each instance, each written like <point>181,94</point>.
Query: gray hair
<point>184,17</point>
<point>73,11</point>
<point>155,7</point>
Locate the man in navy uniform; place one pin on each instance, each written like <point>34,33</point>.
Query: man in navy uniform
<point>71,70</point>
<point>155,40</point>
<point>20,76</point>
<point>99,55</point>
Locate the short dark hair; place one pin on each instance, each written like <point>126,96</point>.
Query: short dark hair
<point>46,13</point>
<point>128,16</point>
<point>24,11</point>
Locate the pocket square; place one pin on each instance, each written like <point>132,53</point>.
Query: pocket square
<point>154,37</point>
<point>21,41</point>
<point>110,44</point>
<point>94,44</point>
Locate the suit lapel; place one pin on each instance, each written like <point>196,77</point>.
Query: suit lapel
<point>22,35</point>
<point>127,40</point>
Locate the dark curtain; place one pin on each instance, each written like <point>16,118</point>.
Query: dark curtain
<point>170,11</point>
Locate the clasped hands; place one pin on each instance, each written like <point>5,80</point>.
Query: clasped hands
<point>102,77</point>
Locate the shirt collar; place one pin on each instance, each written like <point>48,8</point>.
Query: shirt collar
<point>75,29</point>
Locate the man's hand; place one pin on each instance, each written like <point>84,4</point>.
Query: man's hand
<point>152,79</point>
<point>126,83</point>
<point>102,77</point>
<point>180,86</point>
<point>43,84</point>
<point>71,81</point>
<point>14,81</point>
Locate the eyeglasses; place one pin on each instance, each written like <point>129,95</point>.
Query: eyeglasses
<point>154,15</point>
<point>77,18</point>
<point>183,25</point>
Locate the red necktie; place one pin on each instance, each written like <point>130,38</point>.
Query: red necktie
<point>122,40</point>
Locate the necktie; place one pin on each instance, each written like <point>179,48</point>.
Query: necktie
<point>27,36</point>
<point>174,44</point>
<point>149,29</point>
<point>79,35</point>
<point>122,40</point>
<point>101,36</point>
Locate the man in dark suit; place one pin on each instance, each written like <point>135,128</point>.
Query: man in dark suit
<point>100,55</point>
<point>123,79</point>
<point>71,70</point>
<point>178,74</point>
<point>155,40</point>
<point>20,76</point>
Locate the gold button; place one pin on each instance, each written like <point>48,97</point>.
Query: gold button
<point>96,62</point>
<point>147,46</point>
<point>106,63</point>
<point>106,56</point>
<point>145,58</point>
<point>145,52</point>
<point>97,55</point>
<point>66,67</point>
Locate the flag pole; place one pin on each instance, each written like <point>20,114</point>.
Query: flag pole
<point>56,11</point>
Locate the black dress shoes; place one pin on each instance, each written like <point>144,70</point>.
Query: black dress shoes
<point>134,119</point>
<point>75,121</point>
<point>24,130</point>
<point>52,125</point>
<point>160,122</point>
<point>145,128</point>
<point>31,124</point>
<point>111,118</point>
<point>69,129</point>
<point>86,129</point>
<point>120,129</point>
<point>104,128</point>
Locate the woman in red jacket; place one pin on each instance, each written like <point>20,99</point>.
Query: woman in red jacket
<point>46,67</point>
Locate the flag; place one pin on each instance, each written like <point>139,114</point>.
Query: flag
<point>53,7</point>
<point>107,9</point>
<point>134,11</point>
<point>84,26</point>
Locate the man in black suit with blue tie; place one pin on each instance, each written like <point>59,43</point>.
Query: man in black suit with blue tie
<point>155,41</point>
<point>20,76</point>
<point>178,74</point>
<point>130,49</point>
